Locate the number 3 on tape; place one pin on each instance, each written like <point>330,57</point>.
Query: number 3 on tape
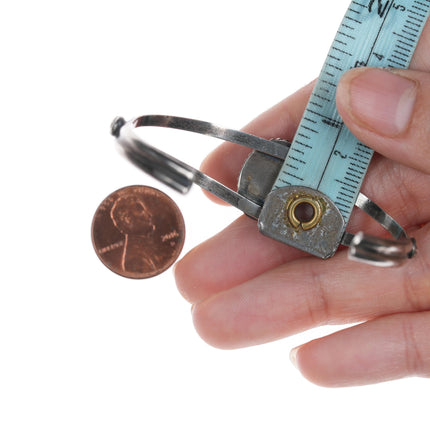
<point>319,182</point>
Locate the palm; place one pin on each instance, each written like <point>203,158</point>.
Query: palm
<point>252,289</point>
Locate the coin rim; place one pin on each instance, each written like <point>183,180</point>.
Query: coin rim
<point>181,227</point>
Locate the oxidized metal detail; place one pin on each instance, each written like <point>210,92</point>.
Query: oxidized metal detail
<point>258,174</point>
<point>319,236</point>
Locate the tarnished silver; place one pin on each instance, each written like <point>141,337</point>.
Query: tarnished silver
<point>258,174</point>
<point>283,222</point>
<point>372,209</point>
<point>321,240</point>
<point>381,252</point>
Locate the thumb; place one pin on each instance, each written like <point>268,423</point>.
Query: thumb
<point>389,111</point>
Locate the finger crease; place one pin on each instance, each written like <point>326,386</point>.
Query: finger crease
<point>409,291</point>
<point>416,285</point>
<point>318,303</point>
<point>413,359</point>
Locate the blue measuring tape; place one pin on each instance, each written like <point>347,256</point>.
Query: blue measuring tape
<point>326,164</point>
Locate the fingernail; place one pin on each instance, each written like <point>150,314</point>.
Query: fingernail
<point>380,100</point>
<point>293,356</point>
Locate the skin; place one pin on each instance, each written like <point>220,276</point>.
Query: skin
<point>247,289</point>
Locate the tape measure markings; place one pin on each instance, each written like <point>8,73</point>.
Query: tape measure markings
<point>324,155</point>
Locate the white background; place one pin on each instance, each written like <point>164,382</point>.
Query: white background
<point>82,348</point>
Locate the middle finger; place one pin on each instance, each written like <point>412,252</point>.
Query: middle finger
<point>306,293</point>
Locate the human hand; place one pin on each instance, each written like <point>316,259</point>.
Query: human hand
<point>247,289</point>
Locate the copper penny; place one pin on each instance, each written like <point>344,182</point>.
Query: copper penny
<point>138,232</point>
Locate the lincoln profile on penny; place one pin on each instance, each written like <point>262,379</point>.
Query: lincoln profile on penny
<point>138,232</point>
<point>133,219</point>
